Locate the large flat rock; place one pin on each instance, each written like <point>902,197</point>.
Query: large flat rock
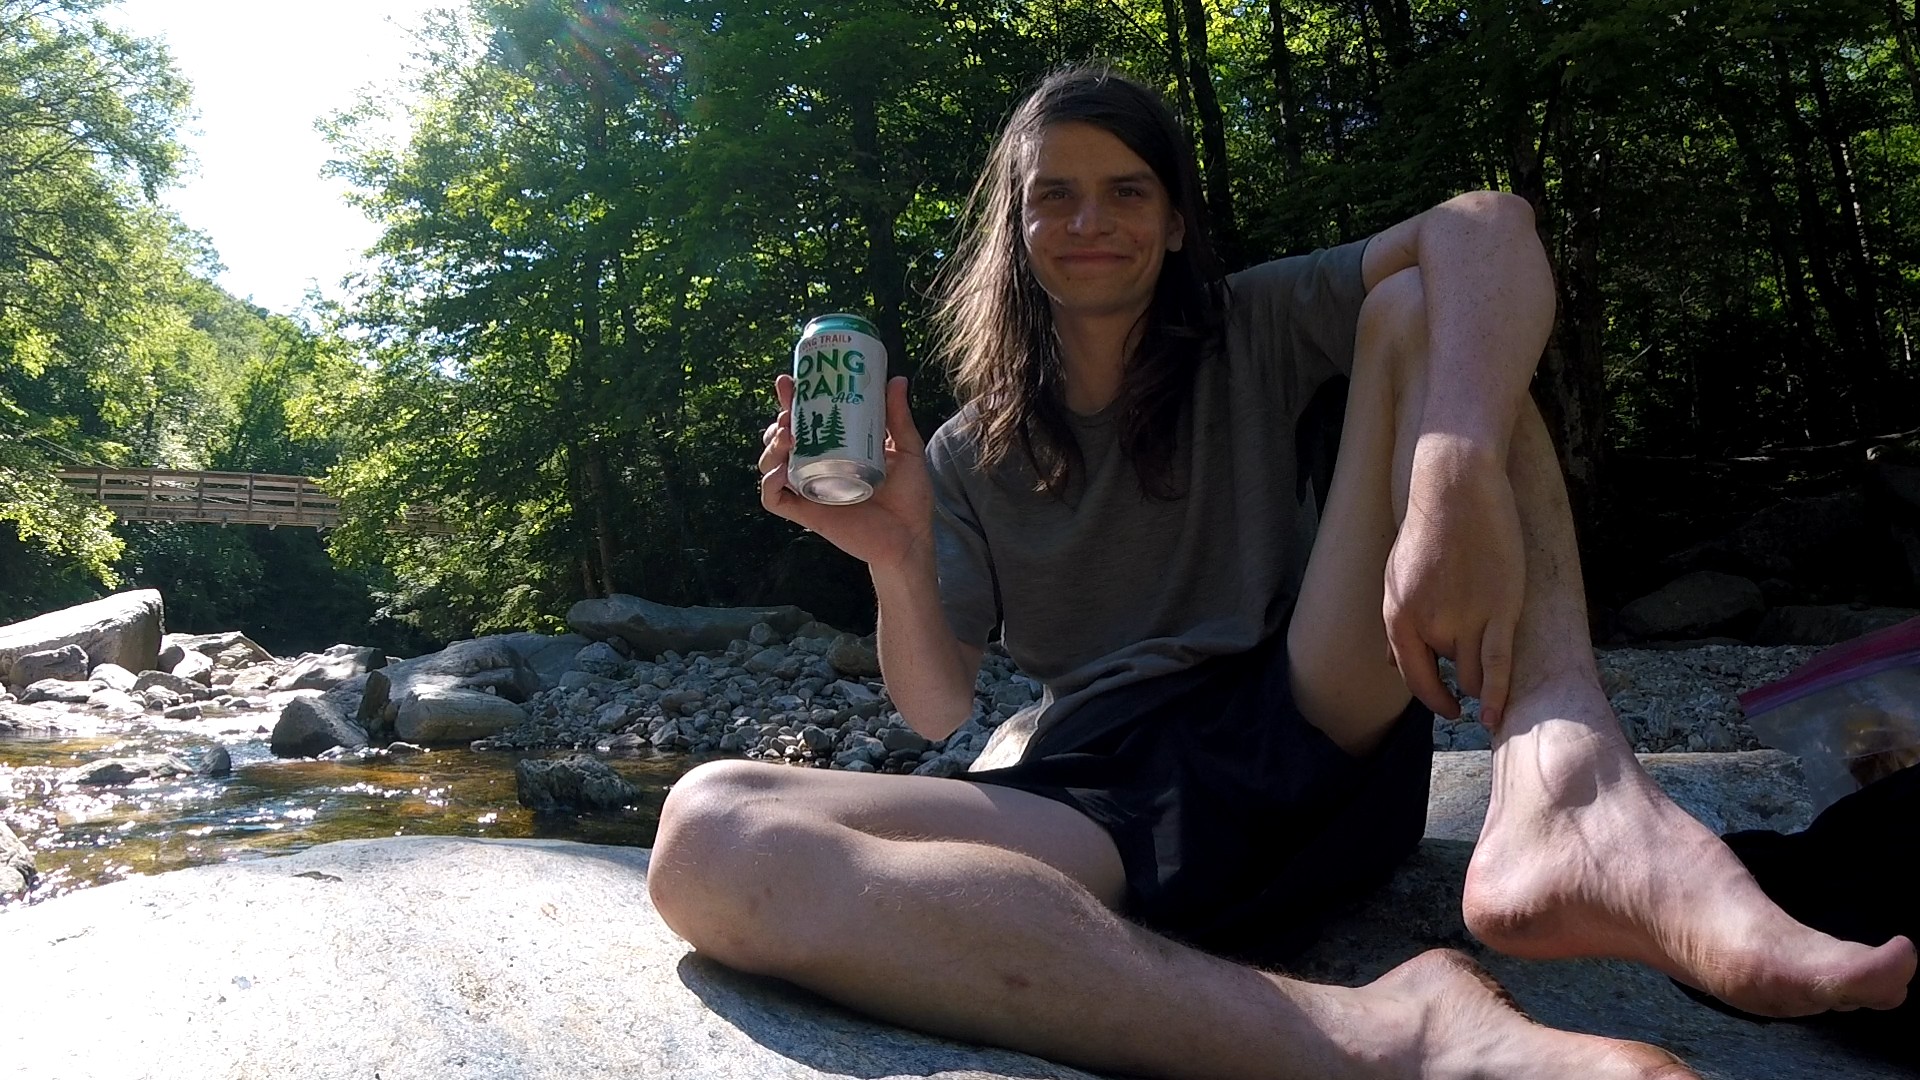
<point>1756,789</point>
<point>123,629</point>
<point>652,628</point>
<point>445,957</point>
<point>417,957</point>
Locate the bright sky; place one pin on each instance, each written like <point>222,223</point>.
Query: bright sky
<point>262,73</point>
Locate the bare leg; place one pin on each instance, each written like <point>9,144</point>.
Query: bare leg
<point>1581,854</point>
<point>913,918</point>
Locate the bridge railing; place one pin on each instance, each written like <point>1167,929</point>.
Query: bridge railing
<point>227,498</point>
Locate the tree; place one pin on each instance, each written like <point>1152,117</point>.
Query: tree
<point>87,267</point>
<point>833,433</point>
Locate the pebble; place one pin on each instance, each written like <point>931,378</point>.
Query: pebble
<point>791,701</point>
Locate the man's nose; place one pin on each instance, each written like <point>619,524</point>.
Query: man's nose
<point>1089,217</point>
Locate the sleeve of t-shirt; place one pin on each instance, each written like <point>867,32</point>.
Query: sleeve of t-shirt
<point>1303,311</point>
<point>968,590</point>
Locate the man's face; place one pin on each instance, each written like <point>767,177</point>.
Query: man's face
<point>1097,222</point>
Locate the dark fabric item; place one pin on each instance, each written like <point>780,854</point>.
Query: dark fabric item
<point>1849,874</point>
<point>1240,825</point>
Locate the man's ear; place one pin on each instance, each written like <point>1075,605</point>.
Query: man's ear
<point>1176,232</point>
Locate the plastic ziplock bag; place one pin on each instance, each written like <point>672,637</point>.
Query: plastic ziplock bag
<point>1851,715</point>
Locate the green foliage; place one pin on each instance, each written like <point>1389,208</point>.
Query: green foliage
<point>88,341</point>
<point>610,218</point>
<point>607,220</point>
<point>115,349</point>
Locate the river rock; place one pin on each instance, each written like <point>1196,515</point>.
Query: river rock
<point>16,865</point>
<point>1785,538</point>
<point>110,772</point>
<point>544,959</point>
<point>1755,789</point>
<point>114,677</point>
<point>15,719</point>
<point>573,782</point>
<point>1693,606</point>
<point>444,715</point>
<point>194,667</point>
<point>328,669</point>
<point>549,655</point>
<point>115,703</point>
<point>493,960</point>
<point>57,690</point>
<point>67,663</point>
<point>313,723</point>
<point>600,658</point>
<point>227,650</point>
<point>1826,624</point>
<point>122,629</point>
<point>653,628</point>
<point>489,663</point>
<point>854,657</point>
<point>166,680</point>
<point>215,762</point>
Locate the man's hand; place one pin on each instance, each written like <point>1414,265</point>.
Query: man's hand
<point>886,530</point>
<point>1456,576</point>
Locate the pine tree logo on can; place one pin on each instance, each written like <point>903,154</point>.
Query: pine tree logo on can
<point>839,410</point>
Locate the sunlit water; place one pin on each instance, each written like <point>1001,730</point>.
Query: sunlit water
<point>83,836</point>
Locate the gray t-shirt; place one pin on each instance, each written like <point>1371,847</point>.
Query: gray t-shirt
<point>1109,586</point>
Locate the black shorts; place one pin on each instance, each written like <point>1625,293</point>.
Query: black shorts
<point>1240,826</point>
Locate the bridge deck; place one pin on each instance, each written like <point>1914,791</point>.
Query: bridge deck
<point>226,498</point>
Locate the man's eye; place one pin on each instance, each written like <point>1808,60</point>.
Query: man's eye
<point>1130,191</point>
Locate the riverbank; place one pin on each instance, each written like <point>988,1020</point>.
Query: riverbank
<point>120,772</point>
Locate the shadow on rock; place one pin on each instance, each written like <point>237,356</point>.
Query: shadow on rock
<point>814,1032</point>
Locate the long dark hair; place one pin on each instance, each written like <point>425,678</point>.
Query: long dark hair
<point>996,328</point>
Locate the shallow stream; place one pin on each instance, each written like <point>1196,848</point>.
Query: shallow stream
<point>83,835</point>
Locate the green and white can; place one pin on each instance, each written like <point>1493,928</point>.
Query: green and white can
<point>839,410</point>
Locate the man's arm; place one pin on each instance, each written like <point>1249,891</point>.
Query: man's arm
<point>1456,576</point>
<point>929,673</point>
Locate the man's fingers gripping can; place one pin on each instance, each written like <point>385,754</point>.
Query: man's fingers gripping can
<point>839,410</point>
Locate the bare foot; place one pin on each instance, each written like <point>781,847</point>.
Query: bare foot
<point>1469,1029</point>
<point>1582,855</point>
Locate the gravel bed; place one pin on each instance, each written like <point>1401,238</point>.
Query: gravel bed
<point>817,700</point>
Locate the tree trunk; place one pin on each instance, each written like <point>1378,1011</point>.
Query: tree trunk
<point>601,496</point>
<point>1177,56</point>
<point>1286,132</point>
<point>886,276</point>
<point>1336,139</point>
<point>1395,18</point>
<point>1733,110</point>
<point>1369,56</point>
<point>1213,137</point>
<point>1571,384</point>
<point>589,373</point>
<point>1904,31</point>
<point>1859,252</point>
<point>674,483</point>
<point>1851,383</point>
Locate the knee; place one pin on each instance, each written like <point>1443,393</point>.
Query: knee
<point>723,847</point>
<point>1393,325</point>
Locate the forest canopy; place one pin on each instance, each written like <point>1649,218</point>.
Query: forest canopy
<point>607,220</point>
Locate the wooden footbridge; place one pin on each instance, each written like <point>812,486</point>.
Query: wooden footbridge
<point>224,498</point>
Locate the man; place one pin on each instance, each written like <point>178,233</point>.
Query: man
<point>1225,749</point>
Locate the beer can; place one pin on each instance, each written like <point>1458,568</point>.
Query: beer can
<point>839,410</point>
